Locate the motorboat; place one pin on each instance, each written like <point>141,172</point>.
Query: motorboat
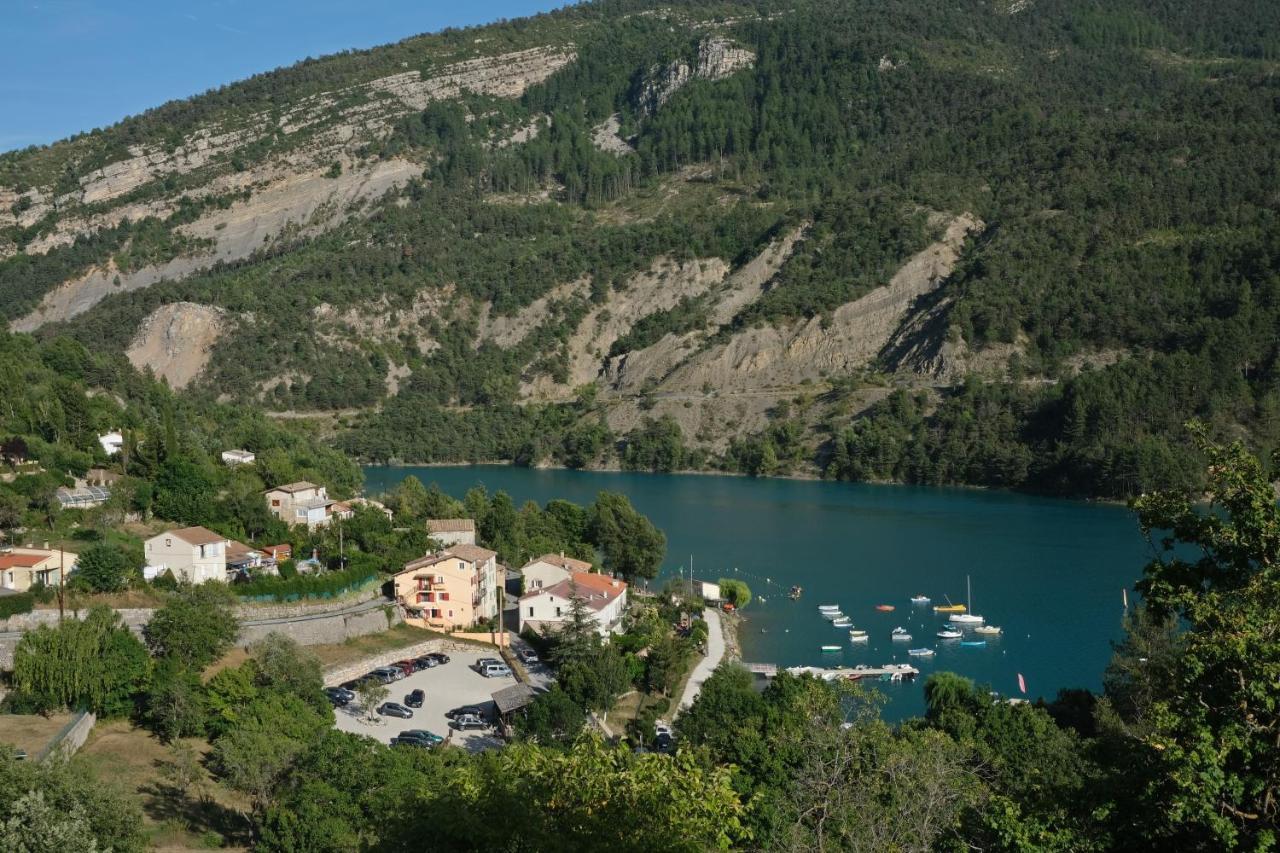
<point>920,653</point>
<point>859,638</point>
<point>950,634</point>
<point>825,607</point>
<point>842,622</point>
<point>901,638</point>
<point>898,630</point>
<point>920,599</point>
<point>795,593</point>
<point>831,648</point>
<point>857,632</point>
<point>989,630</point>
<point>832,614</point>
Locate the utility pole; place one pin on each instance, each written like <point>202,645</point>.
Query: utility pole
<point>62,580</point>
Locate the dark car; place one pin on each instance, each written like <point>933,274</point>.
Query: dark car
<point>415,698</point>
<point>354,684</point>
<point>474,710</point>
<point>468,721</point>
<point>410,741</point>
<point>338,697</point>
<point>664,742</point>
<point>527,656</point>
<point>426,662</point>
<point>439,657</point>
<point>394,709</point>
<point>480,664</point>
<point>422,734</point>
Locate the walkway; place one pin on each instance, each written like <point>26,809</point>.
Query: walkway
<point>709,662</point>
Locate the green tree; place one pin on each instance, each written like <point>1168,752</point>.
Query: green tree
<point>195,626</point>
<point>254,756</point>
<point>55,806</point>
<point>553,718</point>
<point>282,665</point>
<point>104,568</point>
<point>176,703</point>
<point>735,591</point>
<point>184,492</point>
<point>632,547</point>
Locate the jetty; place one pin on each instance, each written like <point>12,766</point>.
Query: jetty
<point>887,672</point>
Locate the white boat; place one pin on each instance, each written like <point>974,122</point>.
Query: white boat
<point>901,638</point>
<point>950,634</point>
<point>899,630</point>
<point>920,653</point>
<point>831,648</point>
<point>857,632</point>
<point>832,614</point>
<point>968,617</point>
<point>860,638</point>
<point>920,599</point>
<point>842,622</point>
<point>828,607</point>
<point>987,629</point>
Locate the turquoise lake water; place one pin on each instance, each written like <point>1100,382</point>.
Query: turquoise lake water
<point>1049,572</point>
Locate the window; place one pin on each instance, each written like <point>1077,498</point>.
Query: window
<point>275,502</point>
<point>444,596</point>
<point>530,612</point>
<point>168,543</point>
<point>557,611</point>
<point>537,584</point>
<point>301,513</point>
<point>450,614</point>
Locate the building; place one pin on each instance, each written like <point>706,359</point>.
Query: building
<point>549,570</point>
<point>452,531</point>
<point>242,560</point>
<point>81,498</point>
<point>22,568</point>
<point>604,597</point>
<point>348,507</point>
<point>111,443</point>
<point>455,588</point>
<point>237,457</point>
<point>300,503</point>
<point>278,553</point>
<point>708,591</point>
<point>193,554</point>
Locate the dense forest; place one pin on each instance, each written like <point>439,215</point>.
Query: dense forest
<point>1122,160</point>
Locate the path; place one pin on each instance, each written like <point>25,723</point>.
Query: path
<point>709,662</point>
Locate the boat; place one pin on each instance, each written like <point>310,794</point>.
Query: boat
<point>966,618</point>
<point>973,643</point>
<point>950,634</point>
<point>856,632</point>
<point>795,592</point>
<point>760,598</point>
<point>898,630</point>
<point>901,638</point>
<point>832,614</point>
<point>949,608</point>
<point>831,648</point>
<point>920,653</point>
<point>987,629</point>
<point>884,608</point>
<point>920,599</point>
<point>828,608</point>
<point>842,622</point>
<point>859,638</point>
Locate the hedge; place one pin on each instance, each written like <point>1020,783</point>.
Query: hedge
<point>12,605</point>
<point>326,585</point>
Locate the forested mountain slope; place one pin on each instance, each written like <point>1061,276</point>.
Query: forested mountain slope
<point>979,241</point>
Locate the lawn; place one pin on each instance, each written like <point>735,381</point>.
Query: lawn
<point>31,731</point>
<point>204,816</point>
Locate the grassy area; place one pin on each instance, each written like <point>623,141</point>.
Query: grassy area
<point>205,815</point>
<point>31,731</point>
<point>342,654</point>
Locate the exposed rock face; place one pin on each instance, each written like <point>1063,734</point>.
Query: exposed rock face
<point>717,58</point>
<point>175,341</point>
<point>606,136</point>
<point>508,330</point>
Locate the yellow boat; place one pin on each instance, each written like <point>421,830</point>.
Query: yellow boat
<point>949,608</point>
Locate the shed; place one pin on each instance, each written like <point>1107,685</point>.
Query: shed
<point>513,698</point>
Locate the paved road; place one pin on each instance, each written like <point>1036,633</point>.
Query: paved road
<point>709,662</point>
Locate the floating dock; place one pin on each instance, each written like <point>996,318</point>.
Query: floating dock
<point>887,672</point>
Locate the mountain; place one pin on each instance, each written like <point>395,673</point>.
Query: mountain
<point>1002,242</point>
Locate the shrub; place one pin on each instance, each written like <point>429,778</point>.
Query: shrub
<point>12,605</point>
<point>326,585</point>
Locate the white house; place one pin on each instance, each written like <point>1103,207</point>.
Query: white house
<point>549,570</point>
<point>193,554</point>
<point>604,597</point>
<point>237,457</point>
<point>300,503</point>
<point>452,531</point>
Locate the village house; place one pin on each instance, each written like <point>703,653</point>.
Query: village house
<point>455,588</point>
<point>605,599</point>
<point>549,570</point>
<point>237,457</point>
<point>242,560</point>
<point>193,554</point>
<point>300,503</point>
<point>452,531</point>
<point>347,508</point>
<point>22,568</point>
<point>277,553</point>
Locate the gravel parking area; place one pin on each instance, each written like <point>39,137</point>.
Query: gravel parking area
<point>447,687</point>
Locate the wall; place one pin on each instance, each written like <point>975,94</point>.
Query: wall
<point>324,629</point>
<point>65,743</point>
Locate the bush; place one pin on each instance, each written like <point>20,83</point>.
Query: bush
<point>12,605</point>
<point>326,585</point>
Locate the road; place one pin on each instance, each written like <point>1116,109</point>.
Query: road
<point>709,662</point>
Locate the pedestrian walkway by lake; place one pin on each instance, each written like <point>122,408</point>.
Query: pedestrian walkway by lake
<point>715,653</point>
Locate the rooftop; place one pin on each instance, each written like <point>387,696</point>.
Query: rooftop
<point>23,561</point>
<point>567,563</point>
<point>450,525</point>
<point>597,591</point>
<point>513,698</point>
<point>195,535</point>
<point>470,553</point>
<point>291,488</point>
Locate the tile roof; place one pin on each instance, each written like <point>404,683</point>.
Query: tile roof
<point>22,561</point>
<point>567,563</point>
<point>470,553</point>
<point>598,591</point>
<point>196,535</point>
<point>450,525</point>
<point>300,486</point>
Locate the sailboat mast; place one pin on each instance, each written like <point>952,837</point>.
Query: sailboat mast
<point>968,592</point>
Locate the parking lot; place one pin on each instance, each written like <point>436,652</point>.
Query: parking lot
<point>446,687</point>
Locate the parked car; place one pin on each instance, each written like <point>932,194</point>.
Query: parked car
<point>664,742</point>
<point>409,666</point>
<point>439,657</point>
<point>415,698</point>
<point>395,709</point>
<point>661,727</point>
<point>422,734</point>
<point>410,741</point>
<point>527,656</point>
<point>468,721</point>
<point>483,662</point>
<point>472,710</point>
<point>338,697</point>
<point>354,684</point>
<point>426,662</point>
<point>388,674</point>
<point>495,670</point>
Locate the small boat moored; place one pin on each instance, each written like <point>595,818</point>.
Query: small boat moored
<point>973,643</point>
<point>832,614</point>
<point>858,638</point>
<point>950,634</point>
<point>795,593</point>
<point>900,638</point>
<point>857,632</point>
<point>884,608</point>
<point>989,630</point>
<point>920,653</point>
<point>825,607</point>
<point>831,648</point>
<point>842,622</point>
<point>949,608</point>
<point>920,599</point>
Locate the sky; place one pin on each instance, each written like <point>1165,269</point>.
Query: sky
<point>73,65</point>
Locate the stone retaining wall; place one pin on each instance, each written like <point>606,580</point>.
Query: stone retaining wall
<point>323,630</point>
<point>294,609</point>
<point>65,743</point>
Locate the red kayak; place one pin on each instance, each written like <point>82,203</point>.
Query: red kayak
<point>884,608</point>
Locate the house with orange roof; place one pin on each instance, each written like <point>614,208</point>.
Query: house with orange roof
<point>22,568</point>
<point>605,599</point>
<point>549,570</point>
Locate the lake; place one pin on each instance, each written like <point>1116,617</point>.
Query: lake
<point>1049,572</point>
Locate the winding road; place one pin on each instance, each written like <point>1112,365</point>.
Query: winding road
<point>709,662</point>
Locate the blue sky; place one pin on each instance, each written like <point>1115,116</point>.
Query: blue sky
<point>73,65</point>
